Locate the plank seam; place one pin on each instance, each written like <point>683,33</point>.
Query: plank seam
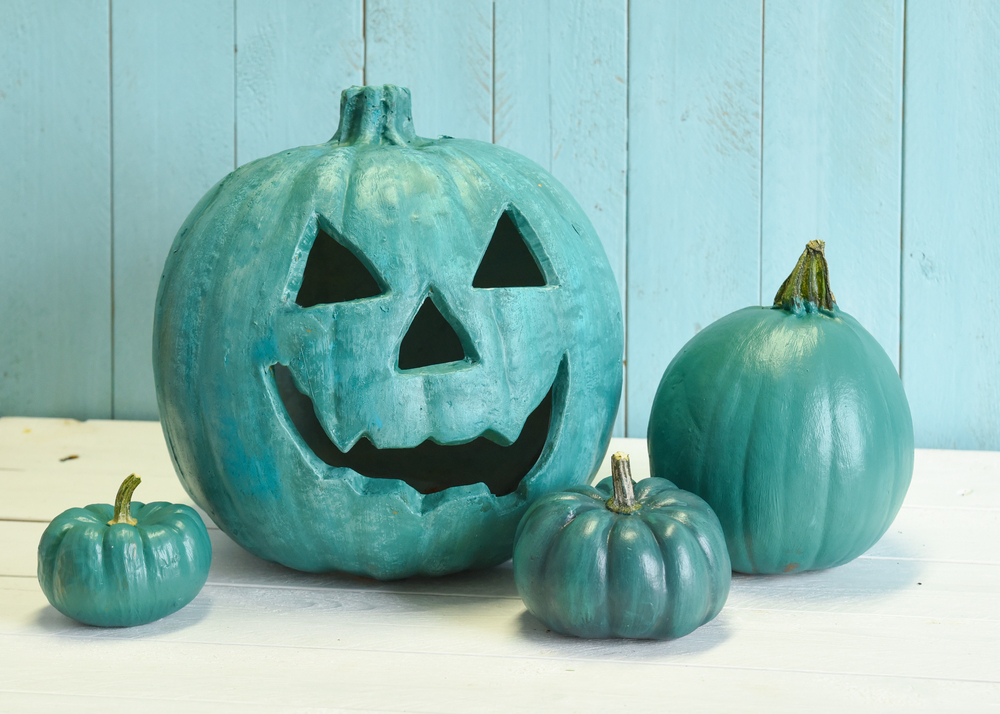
<point>760,184</point>
<point>111,201</point>
<point>236,114</point>
<point>625,270</point>
<point>952,508</point>
<point>126,697</point>
<point>902,187</point>
<point>930,560</point>
<point>493,74</point>
<point>312,588</point>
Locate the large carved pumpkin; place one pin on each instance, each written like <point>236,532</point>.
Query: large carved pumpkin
<point>372,354</point>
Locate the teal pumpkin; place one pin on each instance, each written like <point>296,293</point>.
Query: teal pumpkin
<point>792,423</point>
<point>644,560</point>
<point>123,565</point>
<point>372,354</point>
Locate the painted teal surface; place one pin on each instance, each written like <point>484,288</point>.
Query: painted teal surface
<point>444,53</point>
<point>832,152</point>
<point>794,427</point>
<point>294,58</point>
<point>113,129</point>
<point>658,573</point>
<point>55,212</point>
<point>172,90</point>
<point>951,224</point>
<point>123,575</point>
<point>694,193</point>
<point>420,213</point>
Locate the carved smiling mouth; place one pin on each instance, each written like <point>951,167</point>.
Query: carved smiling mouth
<point>428,467</point>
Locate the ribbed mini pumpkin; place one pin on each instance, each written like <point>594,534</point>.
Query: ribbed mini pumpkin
<point>372,354</point>
<point>644,560</point>
<point>123,565</point>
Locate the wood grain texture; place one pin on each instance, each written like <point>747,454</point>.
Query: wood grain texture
<point>442,52</point>
<point>326,668</point>
<point>173,125</point>
<point>293,60</point>
<point>910,626</point>
<point>832,158</point>
<point>951,220</point>
<point>55,210</point>
<point>693,179</point>
<point>560,98</point>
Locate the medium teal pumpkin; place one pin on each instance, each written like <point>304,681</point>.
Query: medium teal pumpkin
<point>372,354</point>
<point>123,565</point>
<point>792,423</point>
<point>644,560</point>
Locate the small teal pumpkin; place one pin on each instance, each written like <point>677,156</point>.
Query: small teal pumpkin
<point>372,354</point>
<point>792,423</point>
<point>644,560</point>
<point>102,566</point>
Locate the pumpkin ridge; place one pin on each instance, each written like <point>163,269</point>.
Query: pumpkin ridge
<point>860,545</point>
<point>742,525</point>
<point>832,470</point>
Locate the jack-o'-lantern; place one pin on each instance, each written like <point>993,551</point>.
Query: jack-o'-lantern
<point>372,354</point>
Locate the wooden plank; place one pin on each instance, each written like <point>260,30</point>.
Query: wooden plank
<point>27,702</point>
<point>951,219</point>
<point>49,465</point>
<point>522,83</point>
<point>466,637</point>
<point>910,626</point>
<point>443,52</point>
<point>866,586</point>
<point>561,71</point>
<point>293,60</point>
<point>297,677</point>
<point>693,179</point>
<point>832,170</point>
<point>172,89</point>
<point>55,203</point>
<point>917,537</point>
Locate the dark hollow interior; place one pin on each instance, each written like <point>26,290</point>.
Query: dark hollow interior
<point>334,274</point>
<point>429,340</point>
<point>428,467</point>
<point>508,261</point>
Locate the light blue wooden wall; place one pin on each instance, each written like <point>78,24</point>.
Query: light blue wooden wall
<point>708,141</point>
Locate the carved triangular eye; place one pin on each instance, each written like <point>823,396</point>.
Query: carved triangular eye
<point>509,261</point>
<point>429,340</point>
<point>334,274</point>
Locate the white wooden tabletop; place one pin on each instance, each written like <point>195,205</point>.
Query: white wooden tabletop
<point>912,625</point>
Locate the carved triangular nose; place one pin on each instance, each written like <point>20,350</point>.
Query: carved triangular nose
<point>429,340</point>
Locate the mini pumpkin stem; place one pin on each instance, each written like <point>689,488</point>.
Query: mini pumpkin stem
<point>124,500</point>
<point>623,500</point>
<point>808,287</point>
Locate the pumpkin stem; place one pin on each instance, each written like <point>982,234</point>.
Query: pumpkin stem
<point>124,500</point>
<point>808,287</point>
<point>375,115</point>
<point>623,500</point>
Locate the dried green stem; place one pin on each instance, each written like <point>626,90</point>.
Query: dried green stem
<point>808,287</point>
<point>124,500</point>
<point>623,500</point>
